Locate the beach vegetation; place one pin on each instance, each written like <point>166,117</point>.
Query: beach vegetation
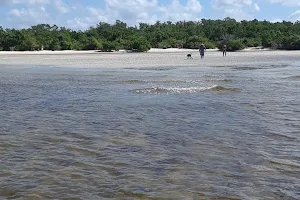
<point>140,44</point>
<point>235,45</point>
<point>182,34</point>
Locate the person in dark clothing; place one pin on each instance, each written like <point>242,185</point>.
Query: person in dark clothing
<point>224,48</point>
<point>202,48</point>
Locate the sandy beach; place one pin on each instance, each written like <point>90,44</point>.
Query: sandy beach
<point>153,58</point>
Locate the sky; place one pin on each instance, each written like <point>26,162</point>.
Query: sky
<point>82,14</point>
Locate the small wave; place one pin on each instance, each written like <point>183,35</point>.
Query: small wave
<point>284,162</point>
<point>210,76</point>
<point>151,68</point>
<point>133,81</point>
<point>218,88</point>
<point>80,150</point>
<point>248,68</point>
<point>161,90</point>
<point>278,65</point>
<point>154,90</point>
<point>225,80</point>
<point>156,68</point>
<point>155,81</point>
<point>293,78</point>
<point>214,78</point>
<point>220,80</point>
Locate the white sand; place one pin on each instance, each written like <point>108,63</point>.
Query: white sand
<point>153,58</point>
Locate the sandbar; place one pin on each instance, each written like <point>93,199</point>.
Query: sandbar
<point>152,58</point>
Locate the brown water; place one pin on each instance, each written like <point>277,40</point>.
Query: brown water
<point>154,133</point>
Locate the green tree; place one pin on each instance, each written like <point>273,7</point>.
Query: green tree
<point>108,37</point>
<point>140,44</point>
<point>28,43</point>
<point>93,44</point>
<point>234,45</point>
<point>2,38</point>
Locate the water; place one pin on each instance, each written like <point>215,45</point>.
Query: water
<point>150,133</point>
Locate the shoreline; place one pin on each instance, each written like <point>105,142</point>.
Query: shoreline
<point>155,58</point>
<point>152,50</point>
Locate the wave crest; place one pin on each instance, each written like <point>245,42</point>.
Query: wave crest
<point>163,90</point>
<point>297,78</point>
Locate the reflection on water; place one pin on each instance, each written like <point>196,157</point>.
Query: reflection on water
<point>170,133</point>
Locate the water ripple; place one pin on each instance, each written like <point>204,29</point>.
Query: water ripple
<point>90,134</point>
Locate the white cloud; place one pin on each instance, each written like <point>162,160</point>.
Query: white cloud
<point>32,2</point>
<point>295,16</point>
<point>94,16</point>
<point>135,11</point>
<point>61,7</point>
<point>27,17</point>
<point>237,13</point>
<point>256,7</point>
<point>78,23</point>
<point>34,11</point>
<point>231,3</point>
<point>29,2</point>
<point>176,11</point>
<point>276,20</point>
<point>286,2</point>
<point>238,9</point>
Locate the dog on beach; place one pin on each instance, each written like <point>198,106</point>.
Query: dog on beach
<point>189,56</point>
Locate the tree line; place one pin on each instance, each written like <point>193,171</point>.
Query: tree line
<point>187,34</point>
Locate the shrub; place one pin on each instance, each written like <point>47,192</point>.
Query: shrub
<point>172,43</point>
<point>210,45</point>
<point>54,45</point>
<point>109,46</point>
<point>291,43</point>
<point>93,44</point>
<point>252,42</point>
<point>234,45</point>
<point>163,45</point>
<point>140,44</point>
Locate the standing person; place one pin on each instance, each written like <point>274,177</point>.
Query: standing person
<point>224,50</point>
<point>202,48</point>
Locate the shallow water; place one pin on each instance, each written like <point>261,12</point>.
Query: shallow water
<point>148,133</point>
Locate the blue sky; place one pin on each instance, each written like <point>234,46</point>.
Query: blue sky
<point>81,14</point>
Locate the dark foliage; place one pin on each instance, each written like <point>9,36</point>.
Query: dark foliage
<point>108,37</point>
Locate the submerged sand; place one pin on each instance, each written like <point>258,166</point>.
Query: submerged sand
<point>153,58</point>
